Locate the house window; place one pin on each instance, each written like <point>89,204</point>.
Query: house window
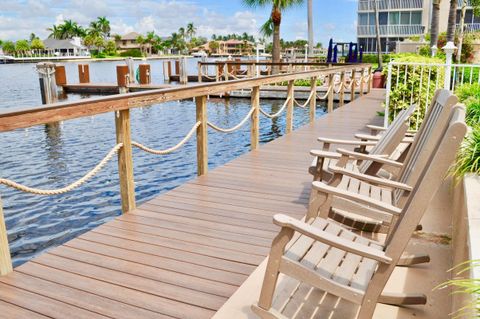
<point>383,18</point>
<point>371,18</point>
<point>363,19</point>
<point>394,18</point>
<point>124,42</point>
<point>416,18</point>
<point>405,17</point>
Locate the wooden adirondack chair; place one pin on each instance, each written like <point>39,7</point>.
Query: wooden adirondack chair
<point>332,259</point>
<point>393,192</point>
<point>381,145</point>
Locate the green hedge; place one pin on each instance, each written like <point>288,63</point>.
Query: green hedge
<point>410,85</point>
<point>134,53</point>
<point>469,94</point>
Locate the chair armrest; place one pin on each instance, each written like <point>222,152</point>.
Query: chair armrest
<point>382,129</point>
<point>346,142</point>
<point>362,199</point>
<point>376,138</point>
<point>330,239</point>
<point>325,154</point>
<point>378,159</point>
<point>371,179</point>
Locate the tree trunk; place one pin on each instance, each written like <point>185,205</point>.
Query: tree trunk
<point>310,28</point>
<point>435,22</point>
<point>276,19</point>
<point>379,41</point>
<point>462,31</point>
<point>452,21</point>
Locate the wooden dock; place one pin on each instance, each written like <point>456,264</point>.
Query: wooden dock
<point>184,253</point>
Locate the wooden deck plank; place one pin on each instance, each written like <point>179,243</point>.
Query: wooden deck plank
<point>185,252</point>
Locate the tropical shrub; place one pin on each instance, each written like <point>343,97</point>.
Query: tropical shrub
<point>469,94</point>
<point>466,286</point>
<point>134,53</point>
<point>468,158</point>
<point>372,58</point>
<point>410,85</point>
<point>467,45</point>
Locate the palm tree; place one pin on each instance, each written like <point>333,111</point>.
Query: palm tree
<point>476,11</point>
<point>55,32</point>
<point>452,20</point>
<point>104,25</point>
<point>191,30</point>
<point>278,6</point>
<point>310,28</point>
<point>267,28</point>
<point>181,33</point>
<point>435,22</point>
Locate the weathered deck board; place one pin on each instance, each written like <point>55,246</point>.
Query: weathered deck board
<point>184,253</point>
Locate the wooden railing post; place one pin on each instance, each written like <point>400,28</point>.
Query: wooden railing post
<point>313,100</point>
<point>5,258</point>
<point>331,89</point>
<point>361,81</point>
<point>200,75</point>
<point>255,125</point>
<point>125,160</point>
<point>342,89</point>
<point>352,89</point>
<point>291,96</point>
<point>202,137</point>
<point>369,88</point>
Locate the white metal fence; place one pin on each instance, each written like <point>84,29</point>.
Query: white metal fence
<point>415,83</point>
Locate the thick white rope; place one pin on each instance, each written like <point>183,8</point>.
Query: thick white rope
<point>330,87</point>
<point>278,113</point>
<point>67,188</point>
<point>308,101</point>
<point>171,149</point>
<point>236,127</point>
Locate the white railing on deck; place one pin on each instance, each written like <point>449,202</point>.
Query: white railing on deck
<point>426,77</point>
<point>368,5</point>
<point>392,30</point>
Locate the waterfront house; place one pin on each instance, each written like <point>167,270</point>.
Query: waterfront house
<point>400,20</point>
<point>230,47</point>
<point>66,47</point>
<point>129,42</point>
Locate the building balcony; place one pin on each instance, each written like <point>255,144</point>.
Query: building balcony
<point>391,30</point>
<point>368,5</point>
<point>470,27</point>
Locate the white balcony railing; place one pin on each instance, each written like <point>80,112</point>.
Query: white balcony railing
<point>391,30</point>
<point>367,5</point>
<point>470,27</point>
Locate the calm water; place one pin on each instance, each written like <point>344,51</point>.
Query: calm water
<point>52,156</point>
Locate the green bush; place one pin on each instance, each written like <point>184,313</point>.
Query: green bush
<point>134,53</point>
<point>468,158</point>
<point>410,85</point>
<point>372,58</point>
<point>469,94</point>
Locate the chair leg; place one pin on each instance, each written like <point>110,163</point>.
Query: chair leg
<point>413,259</point>
<point>402,299</point>
<point>273,266</point>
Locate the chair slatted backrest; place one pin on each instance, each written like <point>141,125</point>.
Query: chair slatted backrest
<point>431,177</point>
<point>391,138</point>
<point>426,139</point>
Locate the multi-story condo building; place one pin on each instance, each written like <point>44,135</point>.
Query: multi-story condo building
<point>401,19</point>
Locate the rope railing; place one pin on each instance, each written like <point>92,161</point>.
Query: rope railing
<point>236,127</point>
<point>171,149</point>
<point>272,116</point>
<point>308,100</point>
<point>330,87</point>
<point>69,187</point>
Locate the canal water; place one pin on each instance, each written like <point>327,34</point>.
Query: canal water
<point>52,156</point>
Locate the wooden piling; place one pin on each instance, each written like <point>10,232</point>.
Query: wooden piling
<point>169,69</point>
<point>255,125</point>
<point>313,100</point>
<point>369,86</point>
<point>199,70</point>
<point>83,73</point>
<point>48,87</point>
<point>362,84</point>
<point>125,161</point>
<point>5,258</point>
<point>177,67</point>
<point>145,77</point>
<point>60,75</point>
<point>202,137</point>
<point>291,95</point>
<point>122,76</point>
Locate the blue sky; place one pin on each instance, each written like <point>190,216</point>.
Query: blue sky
<point>332,18</point>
